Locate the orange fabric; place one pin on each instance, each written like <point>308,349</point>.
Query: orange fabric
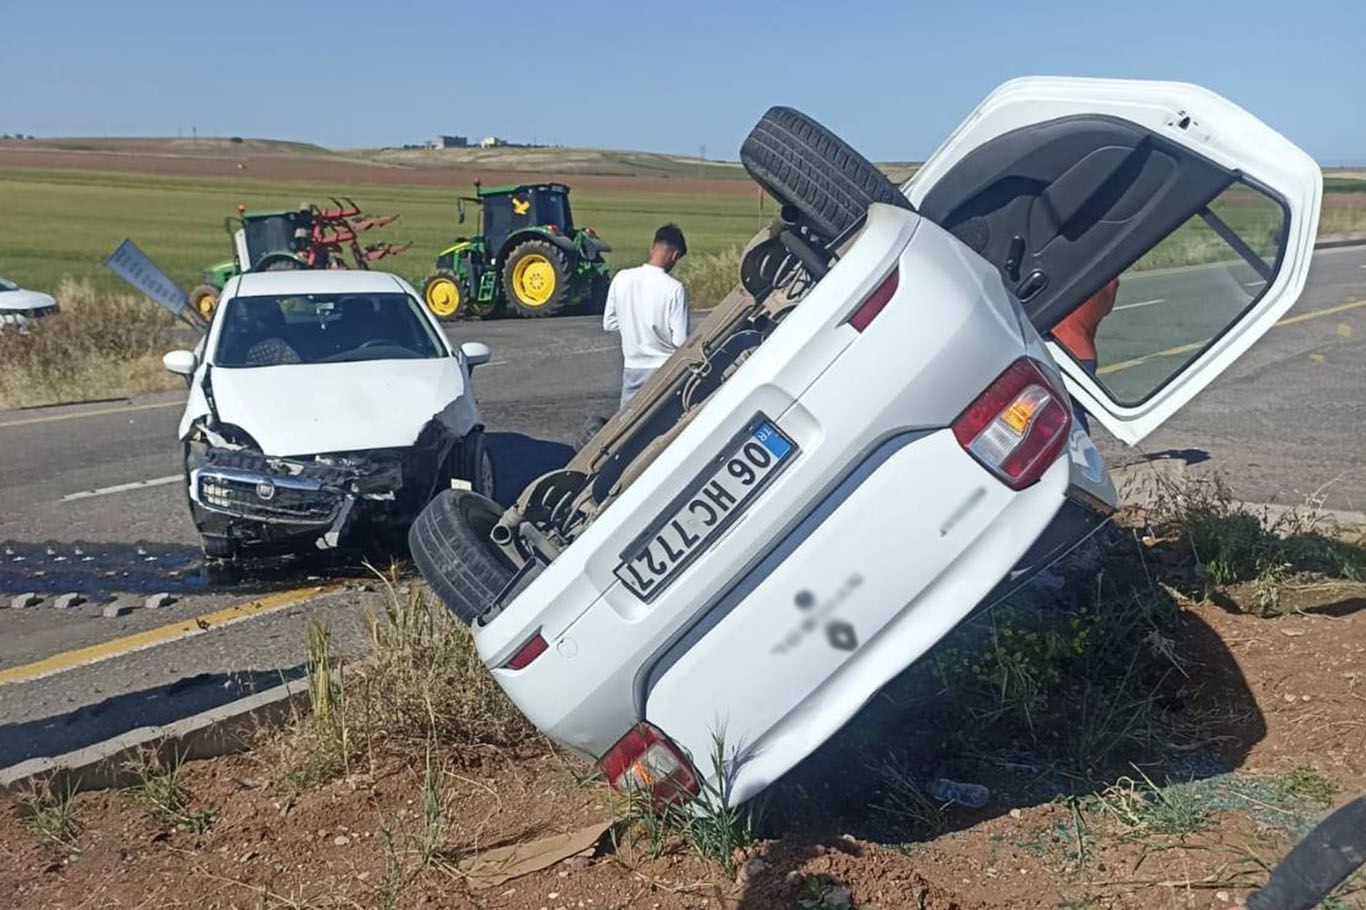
<point>1077,331</point>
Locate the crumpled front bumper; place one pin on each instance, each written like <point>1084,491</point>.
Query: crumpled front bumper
<point>254,497</point>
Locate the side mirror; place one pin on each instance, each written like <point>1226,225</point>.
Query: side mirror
<point>184,363</point>
<point>476,352</point>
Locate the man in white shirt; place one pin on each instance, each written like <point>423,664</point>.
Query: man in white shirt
<point>650,310</point>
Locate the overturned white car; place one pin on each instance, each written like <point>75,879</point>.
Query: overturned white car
<point>322,403</point>
<point>877,436</point>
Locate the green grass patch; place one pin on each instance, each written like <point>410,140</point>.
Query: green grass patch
<point>62,224</point>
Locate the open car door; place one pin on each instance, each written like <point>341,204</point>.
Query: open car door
<point>1152,230</point>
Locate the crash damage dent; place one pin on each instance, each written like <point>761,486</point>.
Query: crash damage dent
<point>253,498</point>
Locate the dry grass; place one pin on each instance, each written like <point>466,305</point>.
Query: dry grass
<point>1343,215</point>
<point>709,277</point>
<point>100,345</point>
<point>423,689</point>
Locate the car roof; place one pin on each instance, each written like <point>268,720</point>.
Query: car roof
<point>316,281</point>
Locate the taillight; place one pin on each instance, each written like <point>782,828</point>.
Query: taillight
<point>534,648</point>
<point>1017,427</point>
<point>645,760</point>
<point>872,304</point>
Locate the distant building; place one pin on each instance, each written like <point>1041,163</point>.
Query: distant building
<point>490,142</point>
<point>449,142</point>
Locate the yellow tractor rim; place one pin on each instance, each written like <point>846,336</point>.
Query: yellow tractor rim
<point>205,304</point>
<point>443,296</point>
<point>533,280</point>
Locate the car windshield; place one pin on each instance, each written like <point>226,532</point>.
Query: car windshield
<point>8,285</point>
<point>323,328</point>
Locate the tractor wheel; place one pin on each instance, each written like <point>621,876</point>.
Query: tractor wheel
<point>203,299</point>
<point>279,263</point>
<point>536,279</point>
<point>445,295</point>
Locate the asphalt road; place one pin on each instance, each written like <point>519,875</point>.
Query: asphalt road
<point>90,500</point>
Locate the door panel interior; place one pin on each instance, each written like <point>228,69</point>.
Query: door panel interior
<point>1061,207</point>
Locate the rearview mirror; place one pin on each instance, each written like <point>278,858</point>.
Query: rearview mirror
<point>182,363</point>
<point>476,352</point>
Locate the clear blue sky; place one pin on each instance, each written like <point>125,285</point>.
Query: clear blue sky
<point>893,78</point>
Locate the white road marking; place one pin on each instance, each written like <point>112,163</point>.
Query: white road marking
<point>1134,306</point>
<point>123,487</point>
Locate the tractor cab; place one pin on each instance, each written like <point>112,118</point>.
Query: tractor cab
<point>509,209</point>
<point>274,240</point>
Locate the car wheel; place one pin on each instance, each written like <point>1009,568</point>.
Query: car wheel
<point>476,464</point>
<point>450,544</point>
<point>802,164</point>
<point>536,279</point>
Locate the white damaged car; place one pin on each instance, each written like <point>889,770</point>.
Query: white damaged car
<point>883,431</point>
<point>22,308</point>
<point>324,403</point>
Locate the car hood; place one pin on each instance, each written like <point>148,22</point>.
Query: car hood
<point>309,409</point>
<point>24,300</point>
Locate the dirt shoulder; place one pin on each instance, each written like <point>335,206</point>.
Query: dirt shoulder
<point>1250,732</point>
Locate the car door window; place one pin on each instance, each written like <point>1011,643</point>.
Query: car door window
<point>1142,329</point>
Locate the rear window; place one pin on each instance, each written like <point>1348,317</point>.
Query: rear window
<point>324,328</point>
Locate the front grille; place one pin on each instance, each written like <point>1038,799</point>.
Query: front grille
<point>289,501</point>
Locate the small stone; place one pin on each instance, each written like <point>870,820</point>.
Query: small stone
<point>1222,895</point>
<point>341,840</point>
<point>1016,813</point>
<point>67,601</point>
<point>157,601</point>
<point>1290,699</point>
<point>552,895</point>
<point>115,610</point>
<point>839,896</point>
<point>750,869</point>
<point>24,601</point>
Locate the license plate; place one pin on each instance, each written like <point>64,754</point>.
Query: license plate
<point>710,504</point>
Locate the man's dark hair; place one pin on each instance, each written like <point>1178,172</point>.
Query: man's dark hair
<point>672,235</point>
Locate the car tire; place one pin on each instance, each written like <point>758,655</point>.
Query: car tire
<point>802,164</point>
<point>450,544</point>
<point>476,464</point>
<point>536,279</point>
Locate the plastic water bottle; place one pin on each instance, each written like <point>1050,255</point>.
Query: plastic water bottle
<point>974,796</point>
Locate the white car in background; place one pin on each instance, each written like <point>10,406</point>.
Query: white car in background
<point>324,404</point>
<point>878,437</point>
<point>20,308</point>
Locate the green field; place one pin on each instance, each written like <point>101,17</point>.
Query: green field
<point>61,224</point>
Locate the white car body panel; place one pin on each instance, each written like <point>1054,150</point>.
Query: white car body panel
<point>16,305</point>
<point>303,409</point>
<point>1218,130</point>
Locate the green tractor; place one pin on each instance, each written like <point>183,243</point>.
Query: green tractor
<point>308,237</point>
<point>530,259</point>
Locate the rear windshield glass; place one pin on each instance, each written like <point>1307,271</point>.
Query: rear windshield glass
<point>323,328</point>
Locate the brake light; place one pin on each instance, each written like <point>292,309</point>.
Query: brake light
<point>645,760</point>
<point>1017,427</point>
<point>872,304</point>
<point>528,652</point>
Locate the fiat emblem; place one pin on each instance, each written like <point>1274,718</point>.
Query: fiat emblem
<point>265,489</point>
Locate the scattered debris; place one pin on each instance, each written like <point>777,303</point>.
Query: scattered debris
<point>494,867</point>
